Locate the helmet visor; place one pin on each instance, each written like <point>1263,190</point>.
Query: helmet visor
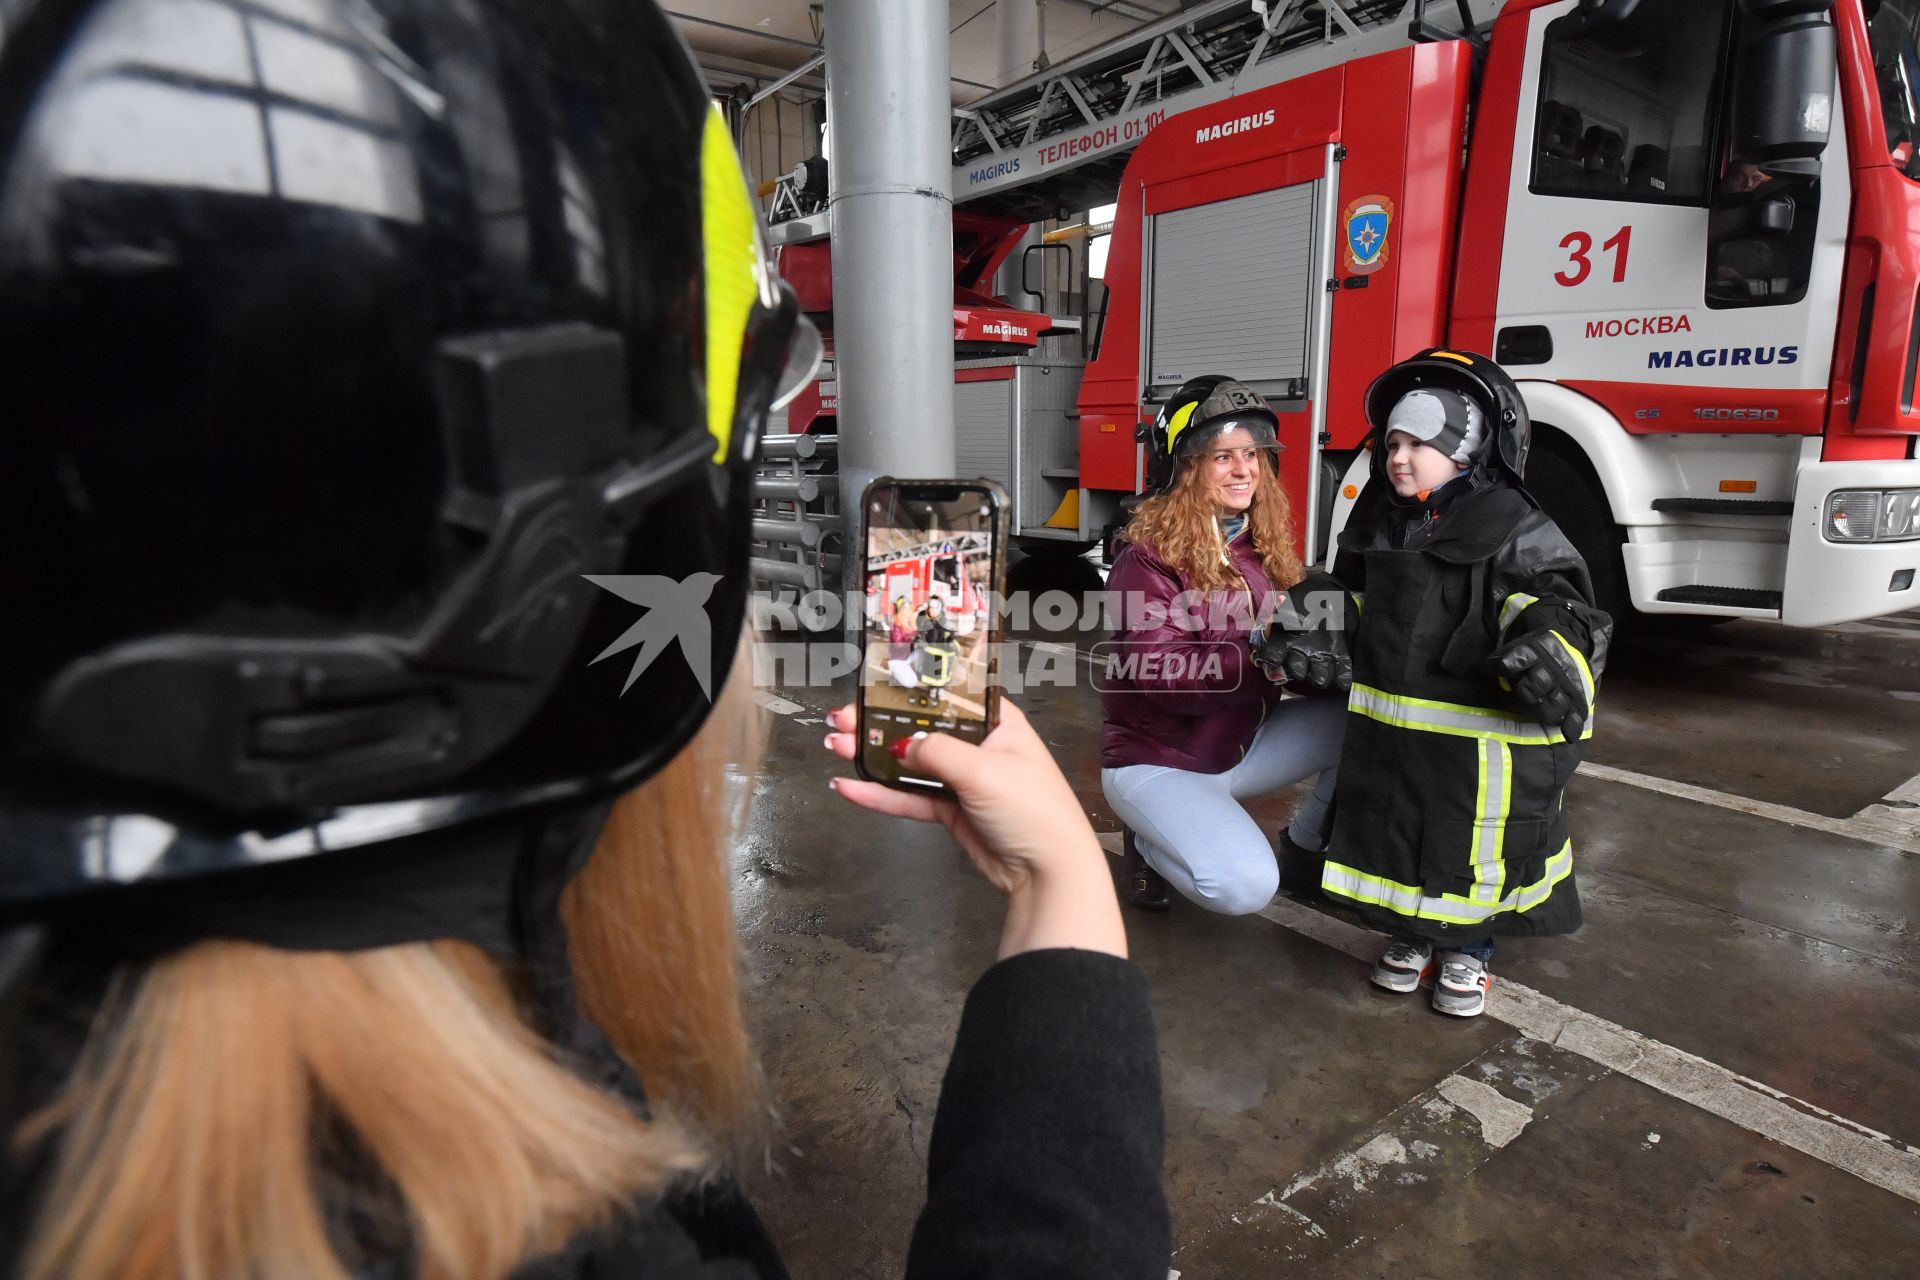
<point>1200,439</point>
<point>1230,406</point>
<point>760,350</point>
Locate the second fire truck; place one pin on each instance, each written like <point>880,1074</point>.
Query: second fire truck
<point>1691,231</point>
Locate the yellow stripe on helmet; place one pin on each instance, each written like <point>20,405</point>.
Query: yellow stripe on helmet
<point>1451,355</point>
<point>1178,422</point>
<point>732,261</point>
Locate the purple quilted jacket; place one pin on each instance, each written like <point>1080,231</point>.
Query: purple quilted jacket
<point>1180,687</point>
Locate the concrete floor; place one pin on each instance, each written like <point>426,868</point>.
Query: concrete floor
<point>1317,1126</point>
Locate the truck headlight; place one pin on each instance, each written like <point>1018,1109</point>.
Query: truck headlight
<point>1851,514</point>
<point>1873,515</point>
<point>1900,516</point>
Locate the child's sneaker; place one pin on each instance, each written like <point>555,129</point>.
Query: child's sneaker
<point>1461,988</point>
<point>1407,962</point>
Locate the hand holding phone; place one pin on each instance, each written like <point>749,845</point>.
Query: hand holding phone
<point>1020,823</point>
<point>933,570</point>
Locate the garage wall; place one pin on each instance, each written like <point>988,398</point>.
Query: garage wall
<point>780,131</point>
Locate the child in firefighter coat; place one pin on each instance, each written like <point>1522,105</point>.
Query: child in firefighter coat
<point>1475,663</point>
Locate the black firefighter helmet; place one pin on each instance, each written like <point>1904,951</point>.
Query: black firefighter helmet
<point>1480,380</point>
<point>363,392</point>
<point>1199,413</point>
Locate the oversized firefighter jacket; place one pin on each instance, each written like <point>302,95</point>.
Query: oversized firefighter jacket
<point>1451,819</point>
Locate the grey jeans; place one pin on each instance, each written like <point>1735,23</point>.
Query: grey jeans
<point>1191,828</point>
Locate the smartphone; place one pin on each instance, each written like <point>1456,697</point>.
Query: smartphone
<point>933,570</point>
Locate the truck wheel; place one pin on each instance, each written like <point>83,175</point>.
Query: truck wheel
<point>1568,491</point>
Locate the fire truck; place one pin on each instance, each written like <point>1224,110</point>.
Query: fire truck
<point>986,328</point>
<point>1691,231</point>
<point>950,571</point>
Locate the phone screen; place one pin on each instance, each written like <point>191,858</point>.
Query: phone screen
<point>931,572</point>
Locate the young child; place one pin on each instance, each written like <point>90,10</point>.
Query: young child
<point>934,661</point>
<point>1474,670</point>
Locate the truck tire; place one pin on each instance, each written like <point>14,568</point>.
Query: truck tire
<point>1567,490</point>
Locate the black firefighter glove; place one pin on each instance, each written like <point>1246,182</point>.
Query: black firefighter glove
<point>1310,646</point>
<point>1546,676</point>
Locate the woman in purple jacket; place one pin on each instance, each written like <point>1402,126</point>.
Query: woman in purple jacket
<point>1193,726</point>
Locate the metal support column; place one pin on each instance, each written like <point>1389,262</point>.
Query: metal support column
<point>1020,49</point>
<point>1019,22</point>
<point>892,201</point>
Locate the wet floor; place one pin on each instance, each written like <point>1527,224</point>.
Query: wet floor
<point>1823,720</point>
<point>1318,1126</point>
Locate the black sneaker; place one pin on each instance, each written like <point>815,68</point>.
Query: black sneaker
<point>1300,870</point>
<point>1143,886</point>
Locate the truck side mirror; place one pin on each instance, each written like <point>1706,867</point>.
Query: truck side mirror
<point>1769,213</point>
<point>1785,8</point>
<point>1609,23</point>
<point>1601,12</point>
<point>1783,89</point>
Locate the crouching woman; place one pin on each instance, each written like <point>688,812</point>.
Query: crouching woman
<point>1192,726</point>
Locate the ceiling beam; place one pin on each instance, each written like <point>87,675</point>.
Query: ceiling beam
<point>744,31</point>
<point>724,72</point>
<point>808,45</point>
<point>1121,9</point>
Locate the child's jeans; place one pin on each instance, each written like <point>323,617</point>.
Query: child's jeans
<point>1481,950</point>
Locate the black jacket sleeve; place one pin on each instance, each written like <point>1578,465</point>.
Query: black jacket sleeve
<point>1049,1140</point>
<point>1540,583</point>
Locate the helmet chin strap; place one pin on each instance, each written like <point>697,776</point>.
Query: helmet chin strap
<point>498,888</point>
<point>22,950</point>
<point>495,884</point>
<point>551,856</point>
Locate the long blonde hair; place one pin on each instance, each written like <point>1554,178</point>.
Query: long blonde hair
<point>236,1101</point>
<point>1179,527</point>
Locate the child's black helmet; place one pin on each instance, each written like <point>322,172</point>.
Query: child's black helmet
<point>1200,412</point>
<point>1473,376</point>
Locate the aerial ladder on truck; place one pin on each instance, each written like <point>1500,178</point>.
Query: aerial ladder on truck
<point>1687,231</point>
<point>1052,144</point>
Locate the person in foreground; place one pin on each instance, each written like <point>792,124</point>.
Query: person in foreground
<point>1191,726</point>
<point>1475,669</point>
<point>379,548</point>
<point>1048,1141</point>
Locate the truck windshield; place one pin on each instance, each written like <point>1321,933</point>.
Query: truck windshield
<point>1897,70</point>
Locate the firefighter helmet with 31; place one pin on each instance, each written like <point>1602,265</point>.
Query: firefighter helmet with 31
<point>1198,414</point>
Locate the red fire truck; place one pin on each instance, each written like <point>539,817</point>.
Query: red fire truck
<point>950,570</point>
<point>985,328</point>
<point>1691,231</point>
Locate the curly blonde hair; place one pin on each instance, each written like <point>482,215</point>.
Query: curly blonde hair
<point>1179,527</point>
